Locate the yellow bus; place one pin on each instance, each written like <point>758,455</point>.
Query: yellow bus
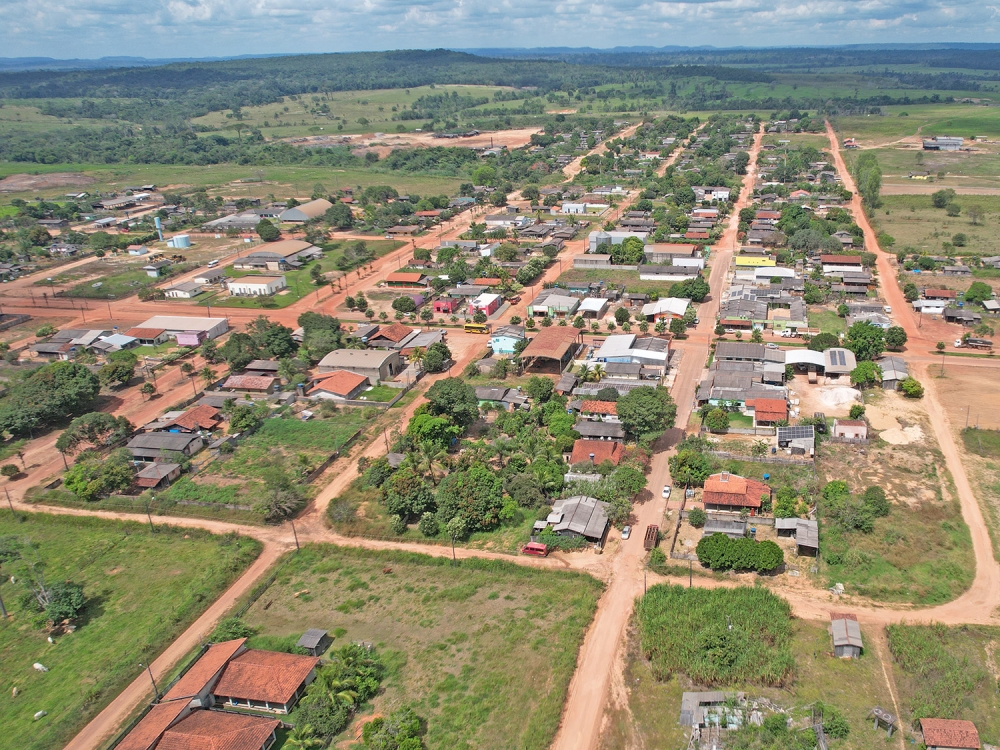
<point>477,328</point>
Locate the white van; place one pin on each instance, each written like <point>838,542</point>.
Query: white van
<point>213,263</point>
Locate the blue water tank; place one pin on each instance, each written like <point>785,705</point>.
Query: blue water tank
<point>181,241</point>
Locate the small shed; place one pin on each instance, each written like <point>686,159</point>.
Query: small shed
<point>846,635</point>
<point>852,429</point>
<point>732,529</point>
<point>315,641</point>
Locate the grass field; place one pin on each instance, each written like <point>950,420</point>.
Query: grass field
<point>483,650</point>
<point>141,592</point>
<point>914,223</point>
<point>852,687</point>
<point>826,321</point>
<point>629,278</point>
<point>967,120</point>
<point>977,168</point>
<point>952,672</point>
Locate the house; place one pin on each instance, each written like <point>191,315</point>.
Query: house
<point>731,528</point>
<point>606,410</point>
<point>155,270</point>
<point>406,279</point>
<point>114,343</point>
<point>504,339</point>
<point>594,430</point>
<point>665,308</point>
<point>245,221</point>
<point>159,474</point>
<point>605,239</point>
<point>173,325</point>
<point>486,304</point>
<point>846,632</point>
<point>965,317</point>
<point>549,303</point>
<point>956,271</point>
<point>852,429</point>
<point>949,734</point>
<point>596,452</point>
<point>930,306</point>
<point>421,340</point>
<point>262,367</point>
<point>729,492</point>
<point>551,349</point>
<point>711,193</point>
<point>768,411</point>
<point>215,729</point>
<point>148,336</point>
<point>339,385</point>
<point>940,294</point>
<point>264,680</point>
<point>65,249</point>
<point>252,383</point>
<point>391,337</point>
<point>315,641</point>
<point>375,364</point>
<point>943,143</point>
<point>401,230</point>
<point>593,307</point>
<point>580,516</point>
<point>210,276</point>
<point>256,286</point>
<point>838,361</point>
<point>446,305</point>
<point>306,212</point>
<point>150,446</point>
<point>805,531</point>
<point>136,250</point>
<point>282,255</point>
<point>202,417</point>
<point>673,272</point>
<point>894,371</point>
<point>628,348</point>
<point>841,263</point>
<point>184,290</point>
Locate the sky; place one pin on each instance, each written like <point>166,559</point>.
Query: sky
<point>204,28</point>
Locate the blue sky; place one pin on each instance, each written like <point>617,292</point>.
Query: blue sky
<point>200,28</point>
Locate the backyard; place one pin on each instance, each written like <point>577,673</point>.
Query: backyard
<point>127,618</point>
<point>483,650</point>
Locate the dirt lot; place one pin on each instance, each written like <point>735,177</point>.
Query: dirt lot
<point>19,183</point>
<point>832,400</point>
<point>386,142</point>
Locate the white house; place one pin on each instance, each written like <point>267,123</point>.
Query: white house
<point>256,286</point>
<point>583,208</point>
<point>711,193</point>
<point>930,306</point>
<point>666,308</point>
<point>184,290</point>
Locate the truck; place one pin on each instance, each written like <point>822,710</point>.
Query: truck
<point>652,536</point>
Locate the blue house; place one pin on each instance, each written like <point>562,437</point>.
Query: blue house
<point>504,338</point>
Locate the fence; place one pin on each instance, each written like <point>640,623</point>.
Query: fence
<point>763,459</point>
<point>9,321</point>
<point>332,457</point>
<point>852,441</point>
<point>769,431</point>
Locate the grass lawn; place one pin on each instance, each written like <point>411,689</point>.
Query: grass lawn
<point>826,320</point>
<point>629,278</point>
<point>918,227</point>
<point>985,443</point>
<point>965,120</point>
<point>851,686</point>
<point>121,281</point>
<point>126,620</point>
<point>379,393</point>
<point>950,672</point>
<point>484,651</point>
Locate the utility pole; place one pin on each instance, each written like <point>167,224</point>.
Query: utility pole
<point>9,502</point>
<point>149,517</point>
<point>690,573</point>
<point>156,690</point>
<point>294,534</point>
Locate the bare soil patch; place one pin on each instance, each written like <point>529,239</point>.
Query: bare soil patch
<point>19,183</point>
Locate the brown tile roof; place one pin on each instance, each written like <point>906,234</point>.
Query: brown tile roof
<point>852,422</point>
<point>196,678</point>
<point>264,676</point>
<point>852,260</point>
<point>202,417</point>
<point>250,382</point>
<point>599,407</point>
<point>736,491</point>
<point>145,734</point>
<point>218,730</point>
<point>552,343</point>
<point>395,333</point>
<point>144,333</point>
<point>487,281</point>
<point>405,277</point>
<point>769,409</point>
<point>952,733</point>
<point>603,450</point>
<point>940,293</point>
<point>339,382</point>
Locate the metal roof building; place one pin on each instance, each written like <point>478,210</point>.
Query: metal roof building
<point>580,516</point>
<point>846,635</point>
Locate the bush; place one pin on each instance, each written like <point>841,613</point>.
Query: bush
<point>656,557</point>
<point>429,525</point>
<point>874,500</point>
<point>719,552</point>
<point>230,629</point>
<point>911,388</point>
<point>697,517</point>
<point>857,411</point>
<point>397,524</point>
<point>9,470</point>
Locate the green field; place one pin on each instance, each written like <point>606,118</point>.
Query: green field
<point>141,590</point>
<point>629,278</point>
<point>967,120</point>
<point>483,650</point>
<point>827,321</point>
<point>914,223</point>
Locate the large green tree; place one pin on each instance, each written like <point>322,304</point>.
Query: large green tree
<point>454,398</point>
<point>475,495</point>
<point>646,412</point>
<point>49,394</point>
<point>866,340</point>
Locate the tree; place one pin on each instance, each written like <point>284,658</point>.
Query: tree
<point>939,346</point>
<point>539,389</point>
<point>911,387</point>
<point>857,411</point>
<point>429,525</point>
<point>757,337</point>
<point>942,198</point>
<point>9,470</point>
<point>843,310</point>
<point>93,477</point>
<point>407,494</point>
<point>402,730</point>
<point>65,601</point>
<point>244,418</point>
<point>910,291</point>
<point>975,213</point>
<point>479,317</point>
<point>272,339</point>
<point>866,374</point>
<point>457,528</point>
<point>607,394</point>
<point>694,289</point>
<point>868,179</point>
<point>697,517</point>
<point>119,369</point>
<point>148,388</point>
<point>875,501</point>
<point>339,216</point>
<point>454,398</point>
<point>646,412</point>
<point>978,292</point>
<point>895,338</point>
<point>316,273</point>
<point>622,315</point>
<point>404,304</point>
<point>953,209</point>
<point>267,231</point>
<point>866,340</point>
<point>475,495</point>
<point>959,239</point>
<point>823,341</point>
<point>49,394</point>
<point>717,420</point>
<point>436,356</point>
<point>628,253</point>
<point>97,429</point>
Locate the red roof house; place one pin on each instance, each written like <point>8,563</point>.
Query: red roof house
<point>202,417</point>
<point>767,411</point>
<point>950,734</point>
<point>339,384</point>
<point>604,408</point>
<point>725,491</point>
<point>217,730</point>
<point>266,680</point>
<point>938,294</point>
<point>390,334</point>
<point>601,450</point>
<point>259,383</point>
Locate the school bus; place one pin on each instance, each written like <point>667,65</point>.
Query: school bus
<point>477,328</point>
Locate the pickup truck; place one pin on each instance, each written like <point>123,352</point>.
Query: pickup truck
<point>652,536</point>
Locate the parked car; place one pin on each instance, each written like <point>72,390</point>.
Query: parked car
<point>958,343</point>
<point>626,532</point>
<point>535,548</point>
<point>666,491</point>
<point>771,346</point>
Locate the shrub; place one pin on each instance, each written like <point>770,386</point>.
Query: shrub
<point>697,517</point>
<point>719,552</point>
<point>657,557</point>
<point>230,629</point>
<point>397,524</point>
<point>857,411</point>
<point>9,470</point>
<point>911,388</point>
<point>428,525</point>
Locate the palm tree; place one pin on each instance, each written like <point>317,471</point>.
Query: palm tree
<point>584,372</point>
<point>431,459</point>
<point>303,737</point>
<point>207,374</point>
<point>417,356</point>
<point>335,688</point>
<point>596,373</point>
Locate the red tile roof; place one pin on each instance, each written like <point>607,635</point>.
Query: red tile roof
<point>769,409</point>
<point>487,281</point>
<point>144,333</point>
<point>218,730</point>
<point>841,260</point>
<point>852,423</point>
<point>264,676</point>
<point>196,678</point>
<point>940,294</point>
<point>768,214</point>
<point>951,733</point>
<point>250,382</point>
<point>736,491</point>
<point>145,734</point>
<point>599,407</point>
<point>428,214</point>
<point>405,277</point>
<point>339,382</point>
<point>202,417</point>
<point>603,450</point>
<point>692,235</point>
<point>395,333</point>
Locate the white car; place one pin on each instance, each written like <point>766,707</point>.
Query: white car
<point>626,532</point>
<point>771,346</point>
<point>666,491</point>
